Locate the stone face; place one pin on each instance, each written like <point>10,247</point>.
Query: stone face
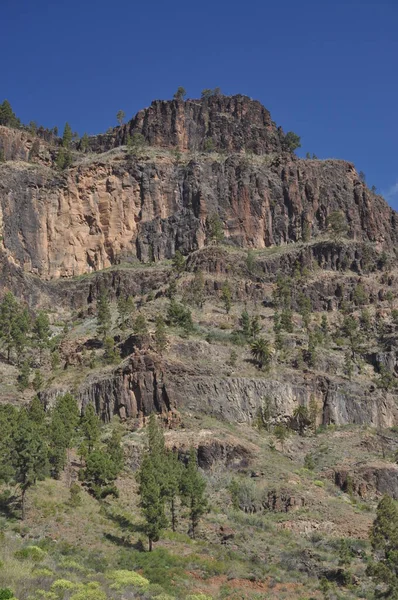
<point>111,208</point>
<point>368,481</point>
<point>232,123</point>
<point>100,214</point>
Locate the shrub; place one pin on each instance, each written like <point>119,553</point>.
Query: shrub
<point>124,578</point>
<point>33,553</point>
<point>177,314</point>
<point>90,591</point>
<point>6,593</point>
<point>62,585</point>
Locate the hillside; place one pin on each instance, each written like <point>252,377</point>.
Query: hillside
<point>250,302</point>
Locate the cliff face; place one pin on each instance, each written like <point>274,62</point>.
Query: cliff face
<point>107,210</point>
<point>231,123</point>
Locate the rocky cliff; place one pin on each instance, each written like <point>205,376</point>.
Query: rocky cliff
<point>65,234</point>
<point>223,123</point>
<point>109,209</point>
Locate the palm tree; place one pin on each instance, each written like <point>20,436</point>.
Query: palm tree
<point>302,418</point>
<point>261,351</point>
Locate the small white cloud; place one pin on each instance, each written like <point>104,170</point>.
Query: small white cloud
<point>392,192</point>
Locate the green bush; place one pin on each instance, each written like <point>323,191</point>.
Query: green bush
<point>123,578</point>
<point>178,315</point>
<point>159,566</point>
<point>33,553</point>
<point>6,594</point>
<point>90,591</point>
<point>62,586</point>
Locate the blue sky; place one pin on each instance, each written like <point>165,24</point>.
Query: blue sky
<point>326,69</point>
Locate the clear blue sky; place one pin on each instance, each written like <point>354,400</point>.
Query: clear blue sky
<point>326,69</point>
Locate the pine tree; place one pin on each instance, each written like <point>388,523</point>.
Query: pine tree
<point>24,376</point>
<point>8,423</point>
<point>245,323</point>
<point>140,325</point>
<point>7,115</point>
<point>104,320</point>
<point>281,433</point>
<point>195,292</point>
<point>29,455</point>
<point>171,485</point>
<point>42,332</point>
<point>178,262</point>
<point>84,142</point>
<point>111,354</point>
<point>384,540</point>
<point>226,296</point>
<point>216,230</point>
<point>337,225</point>
<point>305,310</point>
<point>36,412</point>
<point>21,329</point>
<point>160,335</point>
<point>152,501</point>
<point>180,93</point>
<point>193,492</point>
<point>115,451</point>
<point>125,308</point>
<point>90,427</point>
<point>8,311</point>
<point>67,136</point>
<point>120,116</point>
<point>62,430</point>
<point>38,380</point>
<point>100,474</point>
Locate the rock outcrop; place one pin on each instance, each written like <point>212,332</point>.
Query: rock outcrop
<point>227,123</point>
<point>107,209</point>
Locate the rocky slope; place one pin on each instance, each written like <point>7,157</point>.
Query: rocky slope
<point>67,234</point>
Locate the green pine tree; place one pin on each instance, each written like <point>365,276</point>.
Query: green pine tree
<point>193,492</point>
<point>160,335</point>
<point>384,540</point>
<point>115,451</point>
<point>100,474</point>
<point>38,381</point>
<point>24,376</point>
<point>178,262</point>
<point>42,332</point>
<point>36,412</point>
<point>226,296</point>
<point>67,136</point>
<point>84,143</point>
<point>140,325</point>
<point>29,455</point>
<point>152,500</point>
<point>172,483</point>
<point>8,423</point>
<point>125,309</point>
<point>215,228</point>
<point>90,427</point>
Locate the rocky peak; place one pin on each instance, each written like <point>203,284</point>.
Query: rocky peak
<point>221,123</point>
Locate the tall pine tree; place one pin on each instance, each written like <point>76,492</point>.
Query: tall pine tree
<point>193,488</point>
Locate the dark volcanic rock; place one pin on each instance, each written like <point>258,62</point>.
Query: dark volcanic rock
<point>232,123</point>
